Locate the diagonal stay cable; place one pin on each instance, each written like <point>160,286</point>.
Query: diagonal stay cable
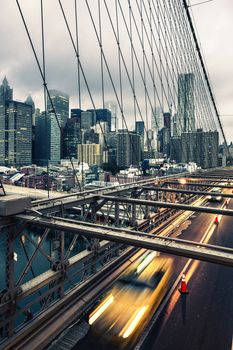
<point>83,73</point>
<point>124,63</point>
<point>108,70</point>
<point>44,81</point>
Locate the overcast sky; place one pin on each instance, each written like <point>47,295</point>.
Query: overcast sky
<point>214,23</point>
<point>215,31</point>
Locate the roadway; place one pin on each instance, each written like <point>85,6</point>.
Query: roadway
<point>203,318</point>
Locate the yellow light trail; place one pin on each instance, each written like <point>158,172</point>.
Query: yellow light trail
<point>100,310</point>
<point>191,266</point>
<point>129,330</point>
<point>146,262</point>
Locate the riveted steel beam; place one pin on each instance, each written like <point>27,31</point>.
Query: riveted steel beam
<point>193,250</point>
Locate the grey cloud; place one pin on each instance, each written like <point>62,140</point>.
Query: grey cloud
<point>213,22</point>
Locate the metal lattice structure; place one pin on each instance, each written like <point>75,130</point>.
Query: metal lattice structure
<point>79,240</point>
<point>58,251</point>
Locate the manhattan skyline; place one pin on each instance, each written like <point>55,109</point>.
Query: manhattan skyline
<point>22,72</point>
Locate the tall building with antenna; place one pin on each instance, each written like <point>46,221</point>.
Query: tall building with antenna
<point>112,107</point>
<point>185,118</point>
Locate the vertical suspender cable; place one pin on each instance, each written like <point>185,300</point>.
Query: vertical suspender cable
<point>79,88</point>
<point>45,94</point>
<point>42,76</point>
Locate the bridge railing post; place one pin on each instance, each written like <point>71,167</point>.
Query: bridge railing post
<point>147,207</point>
<point>10,267</point>
<point>117,213</point>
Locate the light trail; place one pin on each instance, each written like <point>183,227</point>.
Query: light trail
<point>189,269</point>
<point>134,322</point>
<point>100,310</point>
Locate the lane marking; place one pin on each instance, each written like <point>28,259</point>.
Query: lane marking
<point>173,295</point>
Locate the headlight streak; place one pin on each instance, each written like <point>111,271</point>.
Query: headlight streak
<point>146,262</point>
<point>100,310</point>
<point>136,317</point>
<point>128,329</point>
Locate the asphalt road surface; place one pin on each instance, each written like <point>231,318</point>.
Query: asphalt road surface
<point>203,319</point>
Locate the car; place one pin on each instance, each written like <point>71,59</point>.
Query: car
<point>133,298</point>
<point>215,195</point>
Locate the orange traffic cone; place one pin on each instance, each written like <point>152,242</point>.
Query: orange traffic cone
<point>216,221</point>
<point>183,287</point>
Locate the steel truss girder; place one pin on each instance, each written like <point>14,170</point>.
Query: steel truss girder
<point>55,205</point>
<point>177,206</point>
<point>199,184</point>
<point>85,259</point>
<point>112,190</point>
<point>177,190</point>
<point>220,174</point>
<point>80,198</point>
<point>49,276</point>
<point>67,203</point>
<point>32,258</point>
<point>68,308</point>
<point>87,197</point>
<point>220,177</point>
<point>178,247</point>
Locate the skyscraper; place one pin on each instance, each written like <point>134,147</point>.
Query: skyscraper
<point>60,103</point>
<point>29,101</point>
<point>90,153</point>
<point>157,119</point>
<point>76,113</point>
<point>41,139</point>
<point>15,134</point>
<point>164,141</point>
<point>48,139</point>
<point>200,147</point>
<point>72,136</point>
<point>101,129</point>
<point>54,134</point>
<point>88,119</point>
<point>140,130</point>
<point>102,115</point>
<point>112,147</point>
<point>185,119</point>
<point>151,144</point>
<point>167,120</point>
<point>6,92</point>
<point>112,107</point>
<point>128,148</point>
<point>196,146</point>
